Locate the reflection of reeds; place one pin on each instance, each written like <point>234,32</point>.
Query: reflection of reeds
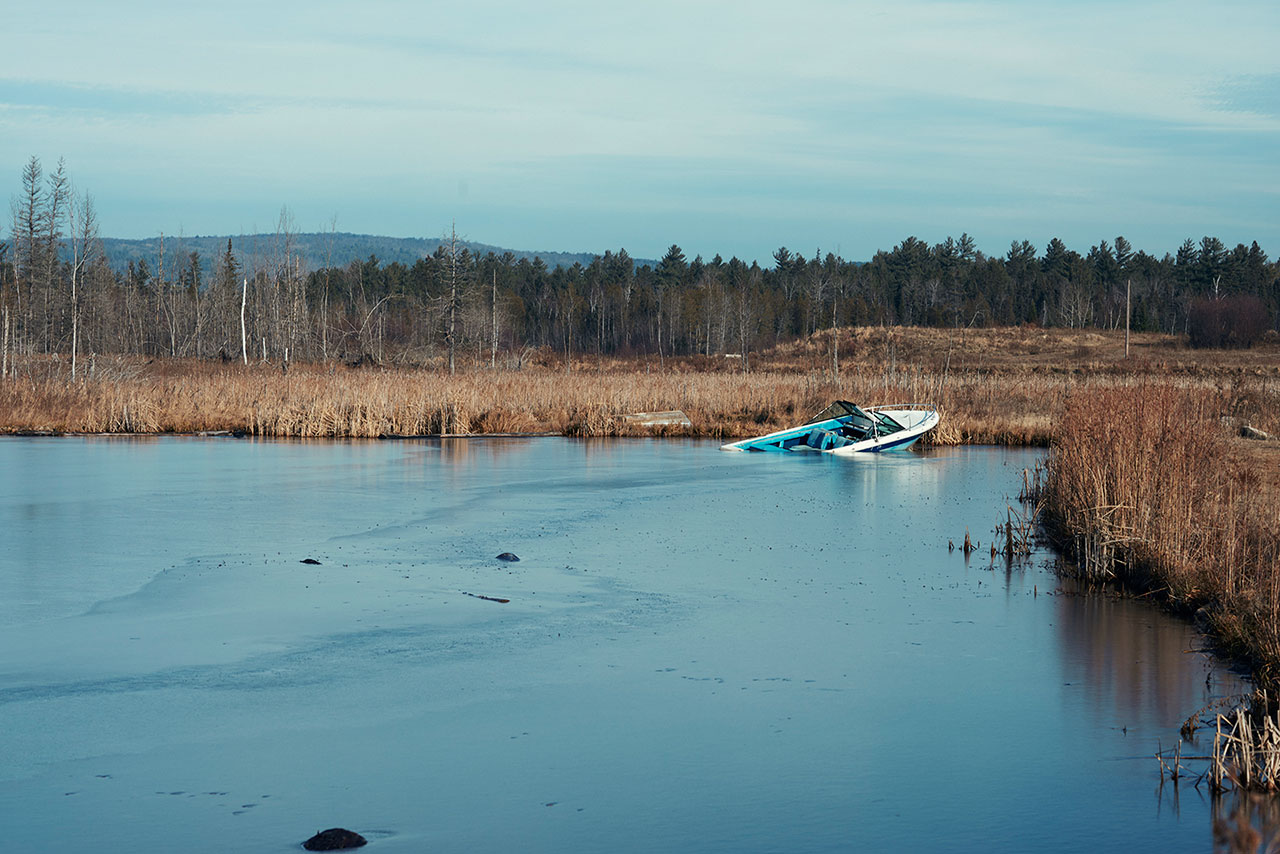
<point>1246,823</point>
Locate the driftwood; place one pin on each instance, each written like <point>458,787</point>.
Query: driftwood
<point>538,435</point>
<point>667,418</point>
<point>486,598</point>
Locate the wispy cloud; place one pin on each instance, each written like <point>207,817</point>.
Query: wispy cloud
<point>1258,94</point>
<point>835,122</point>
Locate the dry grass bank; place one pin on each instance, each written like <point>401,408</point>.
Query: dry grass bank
<point>1003,386</point>
<point>336,401</point>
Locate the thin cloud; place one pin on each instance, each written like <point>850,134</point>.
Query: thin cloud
<point>729,119</point>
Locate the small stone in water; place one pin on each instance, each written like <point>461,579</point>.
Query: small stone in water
<point>508,556</point>
<point>310,560</point>
<point>335,839</point>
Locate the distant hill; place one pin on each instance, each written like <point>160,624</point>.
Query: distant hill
<point>317,249</point>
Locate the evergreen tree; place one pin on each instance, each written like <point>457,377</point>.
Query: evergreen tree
<point>1124,254</point>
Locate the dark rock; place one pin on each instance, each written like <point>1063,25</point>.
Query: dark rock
<point>1203,619</point>
<point>508,556</point>
<point>310,560</point>
<point>335,839</point>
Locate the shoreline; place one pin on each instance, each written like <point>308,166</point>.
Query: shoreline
<point>1005,387</point>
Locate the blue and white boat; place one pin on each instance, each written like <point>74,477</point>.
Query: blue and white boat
<point>843,428</point>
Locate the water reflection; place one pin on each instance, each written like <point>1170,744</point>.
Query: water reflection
<point>1246,822</point>
<point>1133,660</point>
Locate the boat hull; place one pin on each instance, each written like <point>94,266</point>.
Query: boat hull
<point>832,436</point>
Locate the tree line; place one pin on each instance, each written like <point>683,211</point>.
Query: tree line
<point>59,295</point>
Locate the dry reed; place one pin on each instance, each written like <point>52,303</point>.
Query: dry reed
<point>1006,386</point>
<point>1144,487</point>
<point>1148,488</point>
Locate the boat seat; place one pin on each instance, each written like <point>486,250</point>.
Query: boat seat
<point>823,440</point>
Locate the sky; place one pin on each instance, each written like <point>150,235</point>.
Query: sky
<point>728,128</point>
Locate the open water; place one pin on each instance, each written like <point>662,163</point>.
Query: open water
<point>702,651</point>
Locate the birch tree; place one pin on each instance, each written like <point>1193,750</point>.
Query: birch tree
<point>454,274</point>
<point>85,247</point>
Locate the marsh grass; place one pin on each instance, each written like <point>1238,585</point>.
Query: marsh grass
<point>1147,487</point>
<point>336,401</point>
<point>997,386</point>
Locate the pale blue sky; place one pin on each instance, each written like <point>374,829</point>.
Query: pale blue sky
<point>730,127</point>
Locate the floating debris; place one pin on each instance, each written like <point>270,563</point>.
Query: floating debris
<point>310,560</point>
<point>508,557</point>
<point>486,598</point>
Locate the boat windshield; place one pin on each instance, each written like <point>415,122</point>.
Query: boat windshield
<point>888,423</point>
<point>839,409</point>
<point>858,419</point>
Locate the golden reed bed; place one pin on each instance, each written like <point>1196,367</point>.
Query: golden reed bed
<point>318,401</point>
<point>1148,487</point>
<point>992,387</point>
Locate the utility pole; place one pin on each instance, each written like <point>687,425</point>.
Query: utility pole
<point>835,338</point>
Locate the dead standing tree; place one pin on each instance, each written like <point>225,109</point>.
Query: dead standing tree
<point>453,269</point>
<point>28,213</point>
<point>84,247</point>
<point>56,200</point>
<point>745,313</point>
<point>4,317</point>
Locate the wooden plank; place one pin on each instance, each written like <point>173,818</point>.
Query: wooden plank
<point>667,418</point>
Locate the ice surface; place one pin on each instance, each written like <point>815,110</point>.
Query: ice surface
<point>702,652</point>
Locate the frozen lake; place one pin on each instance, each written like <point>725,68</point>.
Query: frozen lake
<point>702,652</point>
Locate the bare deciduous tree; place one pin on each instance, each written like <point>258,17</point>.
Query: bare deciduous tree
<point>84,246</point>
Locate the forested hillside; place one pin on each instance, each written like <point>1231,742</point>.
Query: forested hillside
<point>316,249</point>
<point>458,305</point>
